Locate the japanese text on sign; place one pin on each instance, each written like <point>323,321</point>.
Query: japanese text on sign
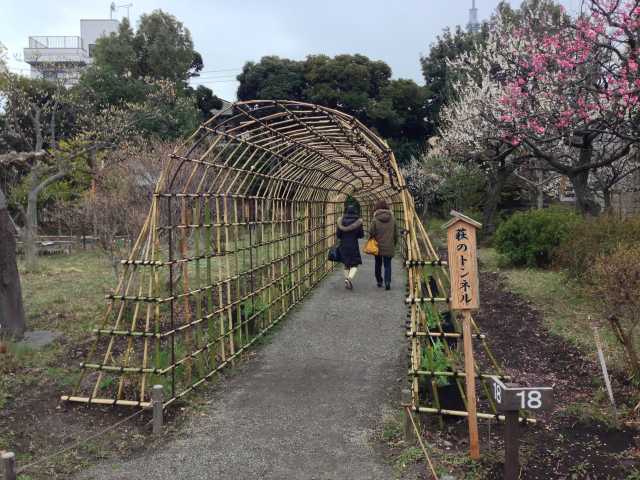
<point>463,265</point>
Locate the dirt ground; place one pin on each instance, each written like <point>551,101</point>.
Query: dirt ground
<point>32,422</point>
<point>578,439</point>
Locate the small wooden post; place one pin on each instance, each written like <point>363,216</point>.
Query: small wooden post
<point>409,432</point>
<point>9,463</point>
<point>511,445</point>
<point>510,398</point>
<point>157,397</point>
<point>465,297</point>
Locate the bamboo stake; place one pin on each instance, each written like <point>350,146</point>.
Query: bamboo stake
<point>221,277</point>
<point>603,365</point>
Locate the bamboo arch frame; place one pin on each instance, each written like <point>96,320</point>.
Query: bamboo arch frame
<point>237,234</point>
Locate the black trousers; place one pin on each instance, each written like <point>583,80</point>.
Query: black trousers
<point>380,260</point>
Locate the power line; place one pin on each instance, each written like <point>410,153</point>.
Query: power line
<point>221,70</point>
<point>215,77</point>
<point>218,81</point>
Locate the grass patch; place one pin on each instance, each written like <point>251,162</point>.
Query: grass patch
<point>67,293</point>
<point>565,306</point>
<point>392,428</point>
<point>447,457</point>
<point>588,413</point>
<point>392,431</point>
<point>633,475</point>
<point>408,457</point>
<point>462,464</point>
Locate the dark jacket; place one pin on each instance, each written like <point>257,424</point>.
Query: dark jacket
<point>349,231</point>
<point>383,229</point>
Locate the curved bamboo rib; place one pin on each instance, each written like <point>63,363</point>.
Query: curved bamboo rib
<point>237,233</point>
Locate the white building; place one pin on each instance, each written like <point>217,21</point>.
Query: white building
<point>63,58</point>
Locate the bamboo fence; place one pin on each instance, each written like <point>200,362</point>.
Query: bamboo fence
<point>237,234</point>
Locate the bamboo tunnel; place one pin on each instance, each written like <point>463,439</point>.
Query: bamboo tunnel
<point>237,234</point>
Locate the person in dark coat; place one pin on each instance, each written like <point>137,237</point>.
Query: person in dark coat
<point>383,229</point>
<point>349,231</point>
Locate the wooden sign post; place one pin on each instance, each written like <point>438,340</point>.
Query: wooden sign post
<point>510,398</point>
<point>465,297</point>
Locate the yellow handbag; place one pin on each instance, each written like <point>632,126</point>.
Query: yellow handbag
<point>371,247</point>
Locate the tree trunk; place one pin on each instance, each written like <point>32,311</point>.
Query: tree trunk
<point>584,200</point>
<point>493,199</point>
<point>540,199</point>
<point>12,320</point>
<point>633,356</point>
<point>607,195</point>
<point>31,233</point>
<point>540,191</point>
<point>94,173</point>
<point>580,180</point>
<point>31,222</point>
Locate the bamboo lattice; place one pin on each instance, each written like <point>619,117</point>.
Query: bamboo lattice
<point>237,233</point>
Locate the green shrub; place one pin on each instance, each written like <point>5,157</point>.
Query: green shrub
<point>434,359</point>
<point>593,238</point>
<point>529,238</point>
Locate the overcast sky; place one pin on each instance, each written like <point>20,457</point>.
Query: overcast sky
<point>230,32</point>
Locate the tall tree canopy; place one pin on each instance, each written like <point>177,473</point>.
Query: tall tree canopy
<point>272,78</point>
<point>133,67</point>
<point>438,76</point>
<point>351,83</point>
<point>165,49</point>
<point>561,90</point>
<point>161,49</point>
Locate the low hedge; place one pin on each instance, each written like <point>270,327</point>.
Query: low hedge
<point>529,239</point>
<point>593,238</point>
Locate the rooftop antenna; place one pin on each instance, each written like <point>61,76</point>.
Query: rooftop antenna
<point>114,7</point>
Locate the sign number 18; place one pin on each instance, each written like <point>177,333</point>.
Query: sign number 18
<point>530,399</point>
<point>511,397</point>
<point>497,393</point>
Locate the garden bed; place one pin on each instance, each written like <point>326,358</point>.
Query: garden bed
<point>579,436</point>
<point>578,439</point>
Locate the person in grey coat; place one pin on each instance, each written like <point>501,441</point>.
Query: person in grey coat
<point>349,232</point>
<point>383,229</point>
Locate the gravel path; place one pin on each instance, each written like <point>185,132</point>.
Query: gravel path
<point>306,406</point>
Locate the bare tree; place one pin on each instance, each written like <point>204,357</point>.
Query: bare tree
<point>614,279</point>
<point>34,114</point>
<point>122,192</point>
<point>537,179</point>
<point>608,178</point>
